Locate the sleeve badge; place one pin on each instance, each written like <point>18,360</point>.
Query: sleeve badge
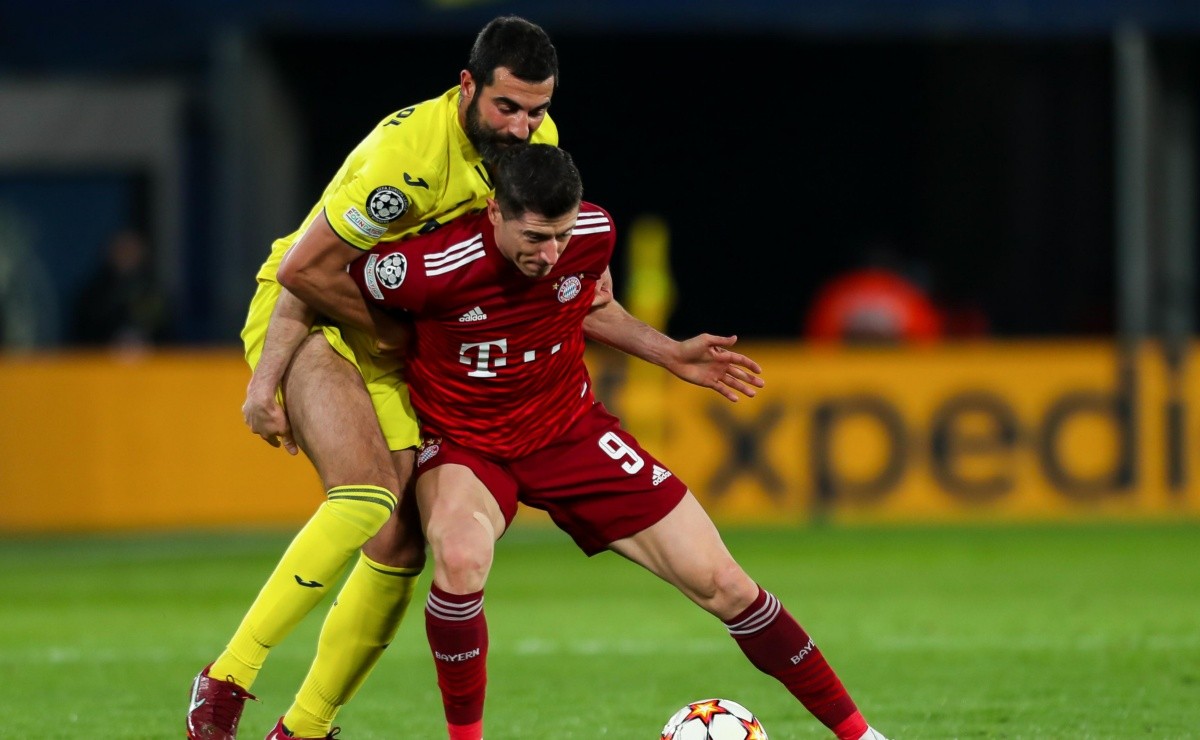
<point>388,272</point>
<point>392,270</point>
<point>385,204</point>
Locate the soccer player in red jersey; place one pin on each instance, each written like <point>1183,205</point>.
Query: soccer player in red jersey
<point>497,377</point>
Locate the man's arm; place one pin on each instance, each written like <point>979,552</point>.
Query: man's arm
<point>703,360</point>
<point>314,280</point>
<point>314,270</point>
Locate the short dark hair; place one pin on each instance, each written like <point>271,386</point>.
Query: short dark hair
<point>514,43</point>
<point>537,178</point>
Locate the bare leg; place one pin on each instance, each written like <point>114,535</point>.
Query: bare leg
<point>334,422</point>
<point>462,521</point>
<point>685,549</point>
<point>333,419</point>
<point>372,603</point>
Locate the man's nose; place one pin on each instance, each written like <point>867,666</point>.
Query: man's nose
<point>518,126</point>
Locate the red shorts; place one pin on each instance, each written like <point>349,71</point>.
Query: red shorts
<point>595,481</point>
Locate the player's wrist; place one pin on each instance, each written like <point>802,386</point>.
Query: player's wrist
<point>262,384</point>
<point>671,354</point>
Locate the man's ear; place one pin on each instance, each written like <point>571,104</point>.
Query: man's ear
<point>467,83</point>
<point>493,212</point>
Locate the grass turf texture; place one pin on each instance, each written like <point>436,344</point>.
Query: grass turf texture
<point>1027,632</point>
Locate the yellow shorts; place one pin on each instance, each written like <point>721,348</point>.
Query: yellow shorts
<point>389,393</point>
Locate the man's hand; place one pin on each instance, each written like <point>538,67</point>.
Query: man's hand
<point>705,361</point>
<point>266,417</point>
<point>393,332</point>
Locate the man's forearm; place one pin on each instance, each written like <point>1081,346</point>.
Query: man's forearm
<point>290,323</point>
<point>612,325</point>
<point>335,296</point>
<point>704,360</point>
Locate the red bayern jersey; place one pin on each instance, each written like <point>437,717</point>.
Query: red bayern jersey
<point>497,364</point>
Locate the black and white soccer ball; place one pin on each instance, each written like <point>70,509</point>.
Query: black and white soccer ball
<point>713,719</point>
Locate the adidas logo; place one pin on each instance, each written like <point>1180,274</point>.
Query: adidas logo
<point>660,475</point>
<point>475,314</point>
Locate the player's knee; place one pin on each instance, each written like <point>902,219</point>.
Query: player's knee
<point>412,554</point>
<point>731,590</point>
<point>410,541</point>
<point>403,557</point>
<point>399,544</point>
<point>463,562</point>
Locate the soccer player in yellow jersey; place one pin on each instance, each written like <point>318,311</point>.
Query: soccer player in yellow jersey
<point>418,168</point>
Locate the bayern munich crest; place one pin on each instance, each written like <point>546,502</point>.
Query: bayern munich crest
<point>569,288</point>
<point>386,204</point>
<point>391,270</point>
<point>427,451</point>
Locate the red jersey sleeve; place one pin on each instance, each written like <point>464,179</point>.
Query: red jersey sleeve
<point>383,277</point>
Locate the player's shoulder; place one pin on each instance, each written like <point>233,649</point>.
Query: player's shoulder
<point>414,136</point>
<point>409,272</point>
<point>455,245</point>
<point>593,239</point>
<point>593,219</point>
<point>408,126</point>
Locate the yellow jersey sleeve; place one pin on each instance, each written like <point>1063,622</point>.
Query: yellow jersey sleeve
<point>388,194</point>
<point>395,179</point>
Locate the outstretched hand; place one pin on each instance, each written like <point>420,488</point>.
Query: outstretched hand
<point>267,418</point>
<point>705,360</point>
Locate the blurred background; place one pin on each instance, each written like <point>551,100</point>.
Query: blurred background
<point>960,235</point>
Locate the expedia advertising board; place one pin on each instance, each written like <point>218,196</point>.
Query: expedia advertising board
<point>987,432</point>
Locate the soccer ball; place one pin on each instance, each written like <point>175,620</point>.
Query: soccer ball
<point>714,719</point>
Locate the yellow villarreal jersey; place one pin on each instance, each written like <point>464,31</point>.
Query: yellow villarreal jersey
<point>414,171</point>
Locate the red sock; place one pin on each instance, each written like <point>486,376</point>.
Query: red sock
<point>779,647</point>
<point>458,638</point>
<point>473,731</point>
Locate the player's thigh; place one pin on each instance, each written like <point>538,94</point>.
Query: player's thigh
<point>333,418</point>
<point>452,499</point>
<point>685,549</point>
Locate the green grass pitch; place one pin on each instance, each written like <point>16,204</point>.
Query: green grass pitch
<point>1082,631</point>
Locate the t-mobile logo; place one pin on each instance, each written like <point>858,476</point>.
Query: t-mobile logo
<point>483,357</point>
<point>487,355</point>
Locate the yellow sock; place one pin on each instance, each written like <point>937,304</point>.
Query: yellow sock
<point>313,562</point>
<point>362,622</point>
